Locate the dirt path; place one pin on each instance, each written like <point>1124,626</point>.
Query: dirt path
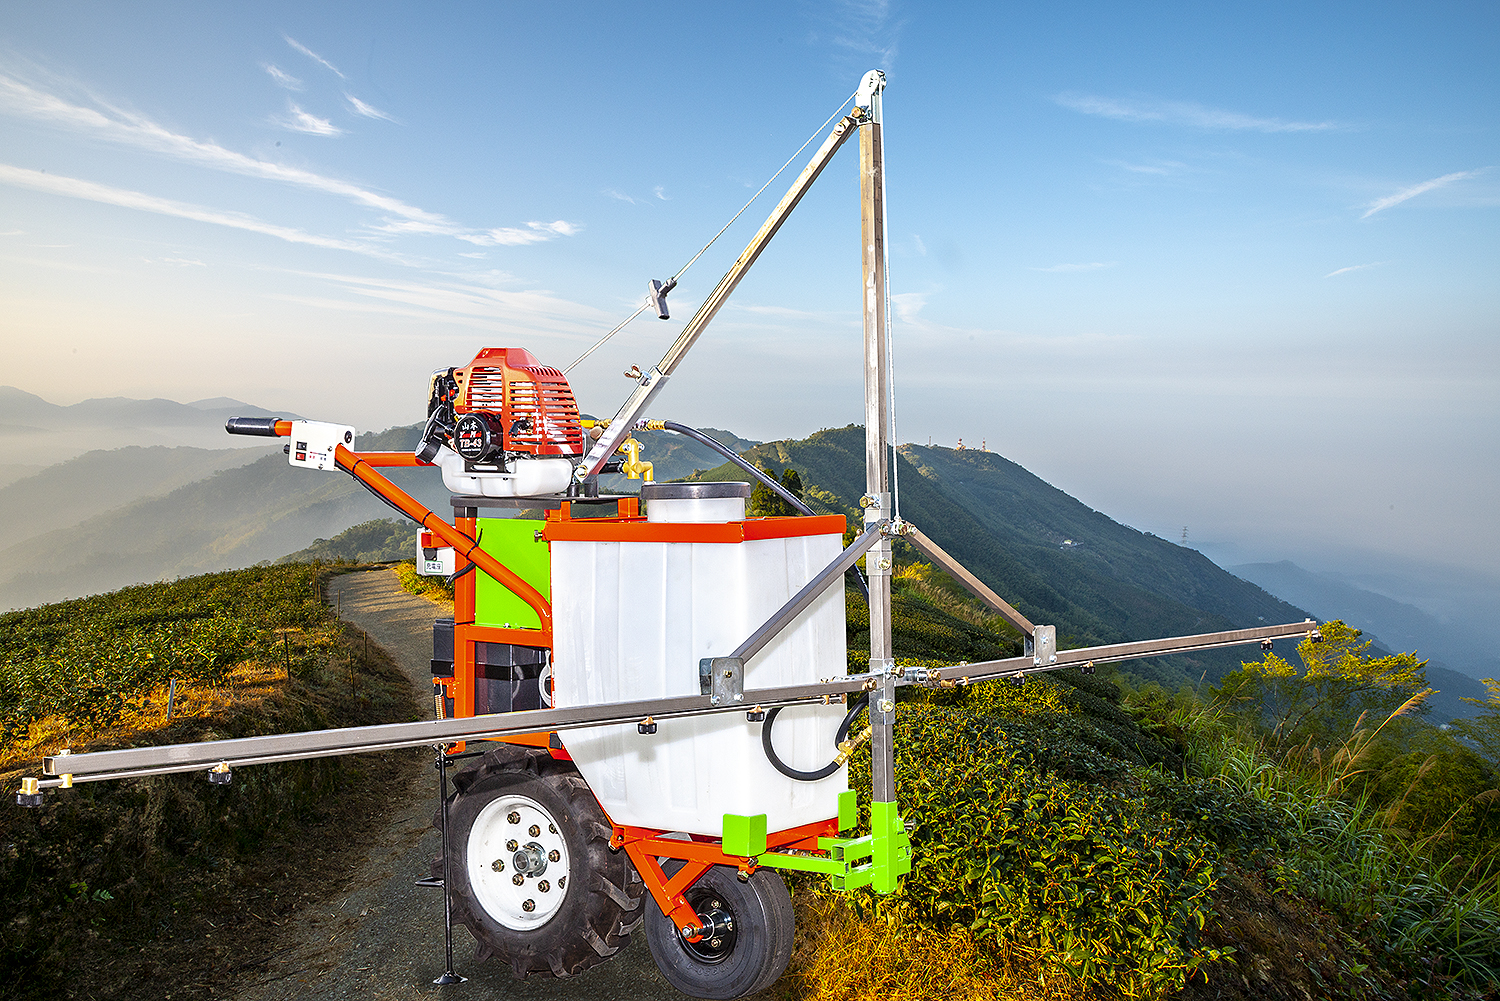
<point>378,937</point>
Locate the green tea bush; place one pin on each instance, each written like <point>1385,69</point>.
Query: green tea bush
<point>1008,845</point>
<point>85,661</point>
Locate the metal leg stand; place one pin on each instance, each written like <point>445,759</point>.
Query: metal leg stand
<point>448,977</point>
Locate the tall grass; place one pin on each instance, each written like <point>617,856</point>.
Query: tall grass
<point>1426,907</point>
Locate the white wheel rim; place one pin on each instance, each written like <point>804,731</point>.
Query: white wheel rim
<point>502,846</point>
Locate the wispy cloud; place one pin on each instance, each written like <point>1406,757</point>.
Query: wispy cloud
<point>661,192</point>
<point>908,305</point>
<point>921,247</point>
<point>309,53</point>
<point>1354,267</point>
<point>300,121</point>
<point>71,187</point>
<point>282,77</point>
<point>523,312</point>
<point>130,129</point>
<point>619,195</point>
<point>1404,194</point>
<point>1065,268</point>
<point>1159,167</point>
<point>867,30</point>
<point>534,232</point>
<point>13,232</point>
<point>183,262</point>
<point>1182,113</point>
<point>361,108</point>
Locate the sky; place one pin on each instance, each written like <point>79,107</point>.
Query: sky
<point>1227,269</point>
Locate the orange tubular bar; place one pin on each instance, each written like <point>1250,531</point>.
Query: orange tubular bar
<point>283,428</point>
<point>386,459</point>
<point>645,846</point>
<point>358,467</point>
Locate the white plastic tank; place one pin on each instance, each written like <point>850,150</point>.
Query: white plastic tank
<point>638,602</point>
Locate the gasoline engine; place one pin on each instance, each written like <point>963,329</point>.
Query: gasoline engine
<point>504,425</point>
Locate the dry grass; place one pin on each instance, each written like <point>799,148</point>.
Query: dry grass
<point>844,955</point>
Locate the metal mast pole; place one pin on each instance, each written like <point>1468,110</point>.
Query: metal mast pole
<point>877,500</point>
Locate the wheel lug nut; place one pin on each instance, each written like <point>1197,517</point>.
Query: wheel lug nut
<point>498,865</point>
<point>562,881</point>
<point>513,817</point>
<point>543,886</point>
<point>511,845</point>
<point>554,856</point>
<point>715,942</point>
<point>533,830</point>
<point>528,905</point>
<point>552,828</point>
<point>518,879</point>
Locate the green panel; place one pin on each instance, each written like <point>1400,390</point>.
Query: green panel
<point>744,836</point>
<point>891,858</point>
<point>848,810</point>
<point>513,542</point>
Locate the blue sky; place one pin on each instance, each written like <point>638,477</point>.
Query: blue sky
<point>1229,268</point>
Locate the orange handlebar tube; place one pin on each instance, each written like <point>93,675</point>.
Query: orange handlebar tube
<point>362,469</point>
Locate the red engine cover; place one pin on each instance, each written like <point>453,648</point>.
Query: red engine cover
<point>510,382</point>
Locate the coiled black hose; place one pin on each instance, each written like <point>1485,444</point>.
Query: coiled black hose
<point>826,770</point>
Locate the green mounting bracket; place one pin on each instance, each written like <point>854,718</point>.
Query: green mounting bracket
<point>877,860</point>
<point>744,836</point>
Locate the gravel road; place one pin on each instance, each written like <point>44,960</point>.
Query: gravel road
<point>379,938</point>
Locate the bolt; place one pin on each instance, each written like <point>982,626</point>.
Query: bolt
<point>498,865</point>
<point>715,942</point>
<point>533,830</point>
<point>715,904</point>
<point>518,879</point>
<point>886,705</point>
<point>554,856</point>
<point>512,845</point>
<point>544,886</point>
<point>562,881</point>
<point>552,828</point>
<point>513,817</point>
<point>528,906</point>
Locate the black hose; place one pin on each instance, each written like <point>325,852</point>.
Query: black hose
<point>750,468</point>
<point>839,738</point>
<point>735,458</point>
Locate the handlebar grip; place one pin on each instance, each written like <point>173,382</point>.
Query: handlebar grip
<point>264,427</point>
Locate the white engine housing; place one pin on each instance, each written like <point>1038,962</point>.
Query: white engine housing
<point>531,478</point>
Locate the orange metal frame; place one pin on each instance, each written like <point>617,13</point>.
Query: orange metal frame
<point>644,846</point>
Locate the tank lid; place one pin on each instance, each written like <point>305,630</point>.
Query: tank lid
<point>693,491</point>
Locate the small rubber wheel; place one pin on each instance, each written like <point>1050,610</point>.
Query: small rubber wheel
<point>749,942</point>
<point>533,877</point>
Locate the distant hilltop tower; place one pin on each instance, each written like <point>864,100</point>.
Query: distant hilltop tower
<point>960,447</point>
<point>1184,535</point>
<point>984,446</point>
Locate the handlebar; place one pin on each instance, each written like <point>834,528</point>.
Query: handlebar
<point>263,427</point>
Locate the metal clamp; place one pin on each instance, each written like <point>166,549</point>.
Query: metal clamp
<point>722,679</point>
<point>1042,646</point>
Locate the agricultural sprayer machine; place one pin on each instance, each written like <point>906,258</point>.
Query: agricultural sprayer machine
<point>647,698</point>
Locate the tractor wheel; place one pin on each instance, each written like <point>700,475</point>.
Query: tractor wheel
<point>749,942</point>
<point>532,875</point>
